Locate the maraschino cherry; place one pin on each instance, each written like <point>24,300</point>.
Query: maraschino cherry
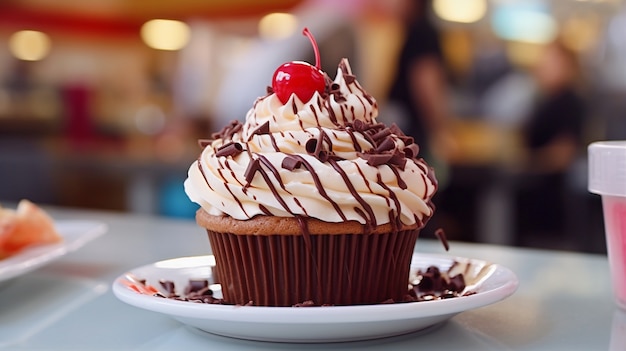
<point>299,77</point>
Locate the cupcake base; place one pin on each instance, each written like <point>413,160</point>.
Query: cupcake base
<point>326,269</point>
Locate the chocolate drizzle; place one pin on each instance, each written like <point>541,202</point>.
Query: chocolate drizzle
<point>370,220</point>
<point>389,147</point>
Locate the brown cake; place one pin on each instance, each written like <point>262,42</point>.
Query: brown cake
<point>311,199</point>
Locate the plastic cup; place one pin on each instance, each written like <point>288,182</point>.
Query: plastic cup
<point>607,177</point>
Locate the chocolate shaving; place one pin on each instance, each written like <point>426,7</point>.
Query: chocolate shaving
<point>311,146</point>
<point>230,149</point>
<point>291,163</point>
<point>386,145</point>
<point>335,91</point>
<point>407,140</point>
<point>262,129</point>
<point>396,130</point>
<point>197,285</point>
<point>411,151</point>
<point>314,147</point>
<point>228,131</point>
<point>457,283</point>
<point>253,167</point>
<point>359,125</point>
<point>441,234</point>
<point>376,160</point>
<point>432,285</point>
<point>204,142</point>
<point>168,285</point>
<point>398,160</point>
<point>382,134</point>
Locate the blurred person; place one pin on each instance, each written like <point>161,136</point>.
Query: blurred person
<point>418,91</point>
<point>552,140</point>
<point>417,102</point>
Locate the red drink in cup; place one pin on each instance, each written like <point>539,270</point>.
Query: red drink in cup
<point>607,177</point>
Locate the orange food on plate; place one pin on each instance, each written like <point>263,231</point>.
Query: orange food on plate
<point>25,226</point>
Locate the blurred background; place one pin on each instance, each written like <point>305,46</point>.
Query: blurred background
<point>102,101</point>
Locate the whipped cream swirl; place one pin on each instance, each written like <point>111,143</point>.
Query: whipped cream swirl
<point>327,158</point>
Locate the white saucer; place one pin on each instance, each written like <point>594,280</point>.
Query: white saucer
<point>491,283</point>
<point>75,234</point>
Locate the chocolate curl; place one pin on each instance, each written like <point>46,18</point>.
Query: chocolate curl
<point>383,134</point>
<point>311,146</point>
<point>314,147</point>
<point>376,127</point>
<point>386,145</point>
<point>376,160</point>
<point>411,151</point>
<point>407,140</point>
<point>291,163</point>
<point>398,160</point>
<point>394,129</point>
<point>228,130</point>
<point>253,167</point>
<point>359,125</point>
<point>230,149</point>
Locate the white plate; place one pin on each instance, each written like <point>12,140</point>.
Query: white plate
<point>75,234</point>
<point>491,282</point>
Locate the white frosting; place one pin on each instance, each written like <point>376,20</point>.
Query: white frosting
<point>219,184</point>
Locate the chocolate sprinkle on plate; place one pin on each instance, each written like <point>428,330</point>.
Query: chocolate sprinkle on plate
<point>441,234</point>
<point>431,284</point>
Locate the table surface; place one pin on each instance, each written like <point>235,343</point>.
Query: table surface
<point>563,302</point>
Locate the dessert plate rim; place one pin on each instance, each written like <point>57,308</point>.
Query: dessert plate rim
<point>312,324</point>
<point>75,233</point>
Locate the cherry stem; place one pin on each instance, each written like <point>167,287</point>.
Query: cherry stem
<point>306,32</point>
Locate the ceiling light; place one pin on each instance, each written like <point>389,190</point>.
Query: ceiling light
<point>466,11</point>
<point>277,25</point>
<point>524,22</point>
<point>164,34</point>
<point>29,45</point>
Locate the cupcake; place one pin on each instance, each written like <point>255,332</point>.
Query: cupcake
<point>311,199</point>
